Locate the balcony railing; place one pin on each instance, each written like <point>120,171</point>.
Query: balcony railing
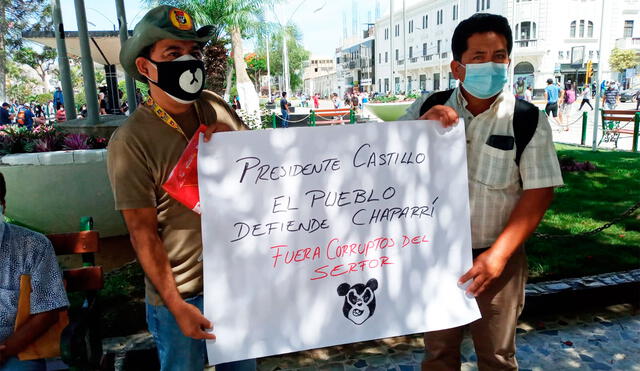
<point>400,62</point>
<point>427,58</point>
<point>628,43</point>
<point>526,43</point>
<point>414,59</point>
<point>444,55</point>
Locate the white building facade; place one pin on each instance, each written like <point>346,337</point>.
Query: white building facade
<point>552,39</point>
<point>320,76</point>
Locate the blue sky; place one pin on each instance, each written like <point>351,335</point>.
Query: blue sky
<point>319,20</point>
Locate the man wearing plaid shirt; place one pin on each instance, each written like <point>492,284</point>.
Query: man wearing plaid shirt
<point>507,200</point>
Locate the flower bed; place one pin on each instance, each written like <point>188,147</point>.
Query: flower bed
<point>44,138</point>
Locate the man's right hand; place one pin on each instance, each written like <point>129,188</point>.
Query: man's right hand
<point>445,114</point>
<point>191,322</point>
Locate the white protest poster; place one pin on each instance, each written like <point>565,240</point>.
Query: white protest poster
<point>321,236</point>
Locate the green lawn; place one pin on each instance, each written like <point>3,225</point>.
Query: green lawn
<point>587,201</point>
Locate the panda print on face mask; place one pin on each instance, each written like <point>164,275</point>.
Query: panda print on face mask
<point>359,300</point>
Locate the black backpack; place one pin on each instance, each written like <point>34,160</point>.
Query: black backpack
<point>525,119</point>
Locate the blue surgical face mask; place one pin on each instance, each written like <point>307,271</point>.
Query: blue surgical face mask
<point>484,80</point>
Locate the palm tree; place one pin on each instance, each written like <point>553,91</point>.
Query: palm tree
<point>235,18</point>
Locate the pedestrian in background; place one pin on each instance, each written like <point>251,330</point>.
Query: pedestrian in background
<point>611,96</point>
<point>528,94</point>
<point>552,94</point>
<point>284,110</point>
<point>586,97</point>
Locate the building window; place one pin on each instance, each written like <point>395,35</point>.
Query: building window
<point>386,57</point>
<point>397,54</point>
<point>590,54</point>
<point>455,12</point>
<point>526,31</point>
<point>386,34</point>
<point>482,5</point>
<point>577,29</point>
<point>423,82</point>
<point>439,14</point>
<point>397,30</point>
<point>628,29</point>
<point>410,26</point>
<point>436,81</point>
<point>386,85</point>
<point>439,44</point>
<point>425,22</point>
<point>411,52</point>
<point>560,54</point>
<point>424,49</point>
<point>379,57</point>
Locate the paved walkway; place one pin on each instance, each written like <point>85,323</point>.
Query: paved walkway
<point>607,339</point>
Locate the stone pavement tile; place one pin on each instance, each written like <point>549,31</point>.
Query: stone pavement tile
<point>605,340</point>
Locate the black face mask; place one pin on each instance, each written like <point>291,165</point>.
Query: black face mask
<point>182,79</point>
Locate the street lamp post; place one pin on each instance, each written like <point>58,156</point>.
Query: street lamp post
<point>285,52</point>
<point>268,71</point>
<point>391,55</point>
<point>594,144</point>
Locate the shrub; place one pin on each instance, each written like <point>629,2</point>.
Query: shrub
<point>44,138</point>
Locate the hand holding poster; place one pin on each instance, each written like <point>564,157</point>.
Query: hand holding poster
<point>322,236</point>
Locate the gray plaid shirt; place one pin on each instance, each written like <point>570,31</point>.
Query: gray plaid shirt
<point>494,178</point>
<point>26,252</point>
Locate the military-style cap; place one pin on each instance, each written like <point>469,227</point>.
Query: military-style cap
<point>162,22</point>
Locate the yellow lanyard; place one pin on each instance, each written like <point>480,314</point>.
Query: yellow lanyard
<point>165,117</point>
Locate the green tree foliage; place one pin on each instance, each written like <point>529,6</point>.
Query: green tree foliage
<point>256,67</point>
<point>17,16</point>
<point>621,59</point>
<point>41,62</point>
<point>19,85</point>
<point>297,54</point>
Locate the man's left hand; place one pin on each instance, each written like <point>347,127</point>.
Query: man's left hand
<point>218,127</point>
<point>486,268</point>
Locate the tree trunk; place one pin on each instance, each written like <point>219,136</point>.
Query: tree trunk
<point>227,88</point>
<point>246,90</point>
<point>3,54</point>
<point>43,76</point>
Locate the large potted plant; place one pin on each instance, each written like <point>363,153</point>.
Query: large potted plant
<point>390,108</point>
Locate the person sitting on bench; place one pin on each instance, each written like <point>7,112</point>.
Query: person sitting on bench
<point>24,252</point>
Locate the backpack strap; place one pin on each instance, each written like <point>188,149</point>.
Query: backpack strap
<point>435,99</point>
<point>525,119</point>
<point>525,123</point>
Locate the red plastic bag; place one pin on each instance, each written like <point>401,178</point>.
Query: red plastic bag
<point>182,184</point>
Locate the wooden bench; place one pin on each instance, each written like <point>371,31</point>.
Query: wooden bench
<point>616,123</point>
<point>336,116</point>
<point>81,344</point>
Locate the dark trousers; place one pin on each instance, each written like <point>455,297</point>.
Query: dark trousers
<point>586,101</point>
<point>285,118</point>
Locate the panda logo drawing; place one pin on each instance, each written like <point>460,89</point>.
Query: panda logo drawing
<point>359,300</point>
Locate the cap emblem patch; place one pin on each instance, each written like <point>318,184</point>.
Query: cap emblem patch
<point>180,19</point>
